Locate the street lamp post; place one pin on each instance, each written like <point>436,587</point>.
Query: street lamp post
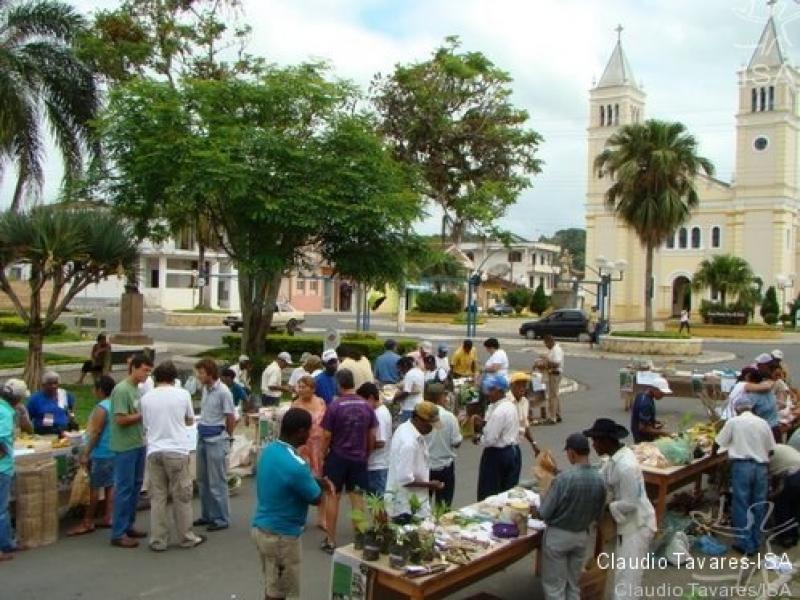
<point>473,282</point>
<point>784,282</point>
<point>607,271</point>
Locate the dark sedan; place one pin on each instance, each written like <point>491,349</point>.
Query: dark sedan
<point>564,323</point>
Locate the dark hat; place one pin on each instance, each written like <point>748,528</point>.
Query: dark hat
<point>606,428</point>
<point>577,442</point>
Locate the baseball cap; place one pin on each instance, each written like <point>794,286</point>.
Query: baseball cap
<point>428,412</point>
<point>243,358</point>
<point>661,385</point>
<point>426,346</point>
<point>16,388</point>
<point>329,355</point>
<point>777,354</point>
<point>764,359</point>
<point>577,442</point>
<point>495,381</point>
<point>519,376</point>
<point>443,348</point>
<point>304,357</point>
<point>285,356</point>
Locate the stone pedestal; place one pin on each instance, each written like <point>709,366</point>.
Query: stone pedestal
<point>131,321</point>
<point>563,298</point>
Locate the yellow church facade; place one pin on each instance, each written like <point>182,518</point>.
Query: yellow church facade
<point>756,216</point>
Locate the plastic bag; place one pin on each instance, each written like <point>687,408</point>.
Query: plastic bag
<point>545,470</point>
<point>677,451</point>
<point>677,549</point>
<point>79,494</point>
<point>708,544</point>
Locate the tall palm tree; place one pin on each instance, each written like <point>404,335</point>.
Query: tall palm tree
<point>42,79</point>
<point>653,166</point>
<point>724,274</point>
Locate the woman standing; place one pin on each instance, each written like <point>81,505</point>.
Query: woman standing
<point>311,451</point>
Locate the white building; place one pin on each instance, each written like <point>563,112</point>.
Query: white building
<point>523,263</point>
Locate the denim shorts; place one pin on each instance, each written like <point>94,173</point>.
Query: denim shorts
<point>101,475</point>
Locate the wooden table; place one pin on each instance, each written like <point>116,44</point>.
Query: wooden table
<point>684,384</point>
<point>384,580</point>
<point>660,482</point>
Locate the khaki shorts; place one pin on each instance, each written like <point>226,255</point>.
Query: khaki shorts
<point>280,561</point>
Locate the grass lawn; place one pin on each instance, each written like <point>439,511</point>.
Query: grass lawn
<point>11,358</point>
<point>84,400</point>
<point>67,336</point>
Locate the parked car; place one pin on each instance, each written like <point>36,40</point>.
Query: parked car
<point>284,317</point>
<point>500,308</point>
<point>564,323</point>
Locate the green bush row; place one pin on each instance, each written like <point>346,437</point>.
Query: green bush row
<point>295,345</point>
<point>443,302</point>
<point>13,324</point>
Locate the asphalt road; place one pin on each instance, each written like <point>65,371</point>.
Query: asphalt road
<point>226,567</point>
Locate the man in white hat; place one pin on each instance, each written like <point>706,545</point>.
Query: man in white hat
<point>272,380</point>
<point>12,392</point>
<point>326,386</point>
<point>644,425</point>
<point>241,372</point>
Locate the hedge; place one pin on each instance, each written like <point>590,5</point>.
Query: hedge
<point>371,347</point>
<point>444,302</point>
<point>14,324</point>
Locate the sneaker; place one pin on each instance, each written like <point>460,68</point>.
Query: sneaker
<point>194,541</point>
<point>217,527</point>
<point>158,546</point>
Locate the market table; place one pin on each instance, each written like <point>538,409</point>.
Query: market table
<point>381,578</point>
<point>684,384</point>
<point>660,482</point>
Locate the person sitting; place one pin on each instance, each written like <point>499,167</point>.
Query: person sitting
<point>99,362</point>
<point>51,408</point>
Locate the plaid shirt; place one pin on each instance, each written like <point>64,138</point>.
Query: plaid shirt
<point>575,499</point>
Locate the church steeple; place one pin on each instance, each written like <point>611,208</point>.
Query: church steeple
<point>618,70</point>
<point>768,53</point>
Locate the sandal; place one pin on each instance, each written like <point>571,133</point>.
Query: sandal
<point>81,530</point>
<point>327,547</point>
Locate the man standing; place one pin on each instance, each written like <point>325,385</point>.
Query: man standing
<point>51,408</point>
<point>272,380</point>
<point>519,390</point>
<point>465,361</point>
<point>554,361</point>
<point>166,413</point>
<point>500,462</point>
<point>442,443</point>
<point>349,432</point>
<point>357,364</point>
<point>214,433</point>
<point>411,389</point>
<point>386,364</point>
<point>571,507</point>
<point>784,466</point>
<point>127,442</point>
<point>497,363</point>
<point>409,467</point>
<point>644,425</point>
<point>327,387</point>
<point>685,322</point>
<point>285,487</point>
<point>424,349</point>
<point>378,464</point>
<point>593,327</point>
<point>629,505</point>
<point>749,442</point>
<point>12,392</point>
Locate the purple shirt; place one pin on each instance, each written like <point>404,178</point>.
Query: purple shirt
<point>349,419</point>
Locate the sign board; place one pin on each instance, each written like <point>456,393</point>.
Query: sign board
<point>331,340</point>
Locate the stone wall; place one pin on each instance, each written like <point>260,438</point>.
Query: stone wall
<point>651,346</point>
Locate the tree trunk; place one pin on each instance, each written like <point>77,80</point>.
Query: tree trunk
<point>33,363</point>
<point>359,293</point>
<point>16,201</point>
<point>257,295</point>
<point>722,296</point>
<point>401,308</point>
<point>648,290</point>
<point>201,268</point>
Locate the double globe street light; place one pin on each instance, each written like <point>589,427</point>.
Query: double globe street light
<point>608,271</point>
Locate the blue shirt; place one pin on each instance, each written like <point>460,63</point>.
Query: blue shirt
<point>7,415</point>
<point>40,405</point>
<point>284,489</point>
<point>765,405</point>
<point>103,448</point>
<point>643,413</point>
<point>239,393</point>
<point>326,387</point>
<point>386,367</point>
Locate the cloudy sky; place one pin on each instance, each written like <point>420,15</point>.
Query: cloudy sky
<point>686,54</point>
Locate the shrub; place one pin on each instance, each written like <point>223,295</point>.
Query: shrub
<point>519,299</point>
<point>371,347</point>
<point>769,306</point>
<point>770,318</point>
<point>539,301</point>
<point>444,302</point>
<point>716,313</point>
<point>13,324</point>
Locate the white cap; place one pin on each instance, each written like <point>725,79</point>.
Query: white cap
<point>662,385</point>
<point>329,355</point>
<point>16,388</point>
<point>285,357</point>
<point>764,359</point>
<point>426,346</point>
<point>777,354</point>
<point>243,358</point>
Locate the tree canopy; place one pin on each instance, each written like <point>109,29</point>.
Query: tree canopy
<point>572,239</point>
<point>724,274</point>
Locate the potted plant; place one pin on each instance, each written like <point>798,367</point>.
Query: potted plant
<point>361,525</point>
<point>398,552</point>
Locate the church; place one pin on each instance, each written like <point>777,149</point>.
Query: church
<point>755,216</point>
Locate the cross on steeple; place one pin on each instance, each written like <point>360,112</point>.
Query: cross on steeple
<point>619,29</point>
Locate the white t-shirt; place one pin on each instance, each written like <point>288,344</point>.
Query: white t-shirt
<point>164,413</point>
<point>442,442</point>
<point>556,355</point>
<point>361,370</point>
<point>414,384</point>
<point>502,424</point>
<point>296,375</point>
<point>747,436</point>
<point>499,358</point>
<point>443,362</point>
<point>241,376</point>
<point>271,377</point>
<point>148,385</point>
<point>408,462</point>
<point>379,459</point>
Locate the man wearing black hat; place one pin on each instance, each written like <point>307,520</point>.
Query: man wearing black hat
<point>573,504</point>
<point>628,504</point>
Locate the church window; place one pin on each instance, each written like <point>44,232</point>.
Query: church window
<point>616,114</point>
<point>753,100</point>
<point>760,143</point>
<point>771,98</point>
<point>609,117</point>
<point>695,237</point>
<point>683,238</point>
<point>671,242</point>
<point>602,116</point>
<point>716,237</point>
<point>762,99</point>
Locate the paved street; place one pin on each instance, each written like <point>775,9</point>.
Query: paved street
<point>226,568</point>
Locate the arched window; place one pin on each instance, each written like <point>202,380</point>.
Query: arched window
<point>695,237</point>
<point>771,98</point>
<point>716,237</point>
<point>602,116</point>
<point>616,114</point>
<point>753,100</point>
<point>762,97</point>
<point>683,238</point>
<point>671,242</point>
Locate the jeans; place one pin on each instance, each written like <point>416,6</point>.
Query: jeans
<point>787,508</point>
<point>563,555</point>
<point>499,470</point>
<point>170,476</point>
<point>448,477</point>
<point>749,483</point>
<point>376,481</point>
<point>128,478</point>
<point>212,471</point>
<point>6,538</point>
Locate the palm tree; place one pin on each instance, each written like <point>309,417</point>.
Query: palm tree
<point>724,274</point>
<point>41,77</point>
<point>653,166</point>
<point>65,249</point>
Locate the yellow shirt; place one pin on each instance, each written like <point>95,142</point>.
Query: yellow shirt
<point>464,363</point>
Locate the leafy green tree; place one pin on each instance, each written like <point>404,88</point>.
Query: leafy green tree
<point>724,274</point>
<point>653,167</point>
<point>281,165</point>
<point>519,298</point>
<point>41,77</point>
<point>770,309</point>
<point>572,239</point>
<point>66,250</point>
<point>451,118</point>
<point>539,300</point>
